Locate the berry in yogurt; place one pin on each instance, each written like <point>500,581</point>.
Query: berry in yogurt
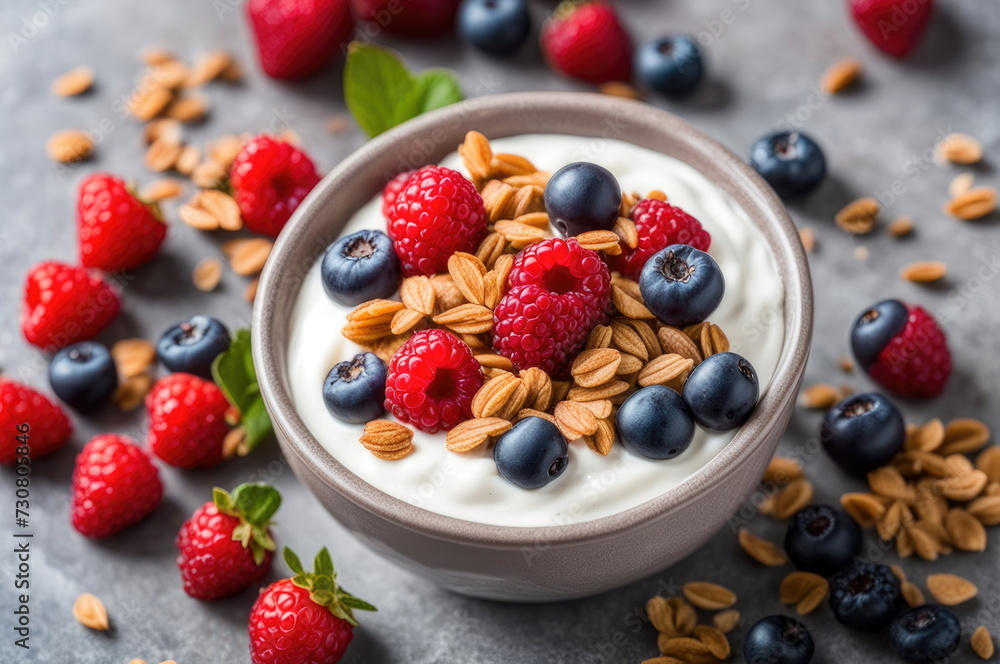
<point>682,285</point>
<point>531,454</point>
<point>359,267</point>
<point>655,423</point>
<point>582,197</point>
<point>354,390</point>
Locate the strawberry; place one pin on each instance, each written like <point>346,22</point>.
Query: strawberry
<point>187,421</point>
<point>28,420</point>
<point>115,485</point>
<point>226,545</point>
<point>63,304</point>
<point>585,40</point>
<point>307,619</point>
<point>117,231</point>
<point>298,38</point>
<point>894,26</point>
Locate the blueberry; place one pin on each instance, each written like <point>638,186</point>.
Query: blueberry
<point>822,539</point>
<point>778,640</point>
<point>654,422</point>
<point>671,65</point>
<point>193,345</point>
<point>359,267</point>
<point>722,391</point>
<point>928,633</point>
<point>532,453</point>
<point>875,328</point>
<point>354,390</point>
<point>83,375</point>
<point>791,162</point>
<point>862,433</point>
<point>496,27</point>
<point>865,596</point>
<point>682,285</point>
<point>582,197</point>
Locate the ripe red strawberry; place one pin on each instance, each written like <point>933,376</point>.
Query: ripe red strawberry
<point>63,304</point>
<point>558,292</point>
<point>117,230</point>
<point>298,38</point>
<point>658,225</point>
<point>29,420</point>
<point>431,380</point>
<point>585,40</point>
<point>115,485</point>
<point>226,545</point>
<point>187,421</point>
<point>413,18</point>
<point>308,619</point>
<point>894,26</point>
<point>269,179</point>
<point>437,213</point>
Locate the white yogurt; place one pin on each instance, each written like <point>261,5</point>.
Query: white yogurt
<point>468,486</point>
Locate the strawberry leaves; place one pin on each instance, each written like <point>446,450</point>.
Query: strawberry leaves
<point>234,373</point>
<point>253,504</point>
<point>323,588</point>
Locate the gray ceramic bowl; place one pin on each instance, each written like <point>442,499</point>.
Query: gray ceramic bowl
<point>529,564</point>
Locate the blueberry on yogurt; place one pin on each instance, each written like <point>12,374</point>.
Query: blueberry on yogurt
<point>582,197</point>
<point>722,391</point>
<point>654,422</point>
<point>681,285</point>
<point>359,267</point>
<point>532,453</point>
<point>354,390</point>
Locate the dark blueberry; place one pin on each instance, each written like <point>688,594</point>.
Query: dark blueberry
<point>791,162</point>
<point>928,633</point>
<point>655,423</point>
<point>671,65</point>
<point>582,197</point>
<point>496,27</point>
<point>532,453</point>
<point>722,391</point>
<point>359,267</point>
<point>778,640</point>
<point>875,328</point>
<point>822,539</point>
<point>865,596</point>
<point>354,390</point>
<point>193,345</point>
<point>83,375</point>
<point>682,285</point>
<point>862,433</point>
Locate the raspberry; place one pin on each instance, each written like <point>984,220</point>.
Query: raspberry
<point>658,225</point>
<point>117,230</point>
<point>115,485</point>
<point>48,428</point>
<point>187,421</point>
<point>558,292</point>
<point>437,213</point>
<point>916,362</point>
<point>431,381</point>
<point>270,178</point>
<point>392,190</point>
<point>586,40</point>
<point>64,304</point>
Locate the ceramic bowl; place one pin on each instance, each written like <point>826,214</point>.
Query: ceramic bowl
<point>545,563</point>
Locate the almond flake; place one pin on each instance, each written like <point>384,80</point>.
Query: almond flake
<point>69,145</point>
<point>234,443</point>
<point>972,204</point>
<point>685,615</point>
<point>466,319</point>
<point>763,551</point>
<point>247,256</point>
<point>168,74</point>
<point>901,226</point>
<point>961,184</point>
<point>74,82</point>
<point>808,239</point>
<point>619,89</point>
<point>924,272</point>
<point>496,197</point>
<point>673,340</point>
<point>629,305</point>
<point>470,434</point>
<point>805,590</point>
<point>687,650</point>
<point>191,108</point>
<point>209,174</point>
<point>792,498</point>
<point>539,385</point>
<point>927,437</point>
<point>405,320</point>
<point>965,435</point>
<point>162,154</point>
<point>601,408</point>
<point>965,531</point>
<point>661,614</point>
<point>603,439</point>
<point>89,611</point>
<point>858,217</point>
<point>988,461</point>
<point>133,356</point>
<point>626,339</point>
<point>146,104</point>
<point>886,481</point>
<point>225,148</point>
<point>840,76</point>
<point>494,394</point>
<point>162,189</point>
<point>781,471</point>
<point>709,596</point>
<point>715,640</point>
<point>131,392</point>
<point>208,68</point>
<point>574,420</point>
<point>476,155</point>
<point>630,364</point>
<point>593,368</point>
<point>600,337</point>
<point>865,508</point>
<point>494,361</point>
<point>726,621</point>
<point>606,241</point>
<point>606,391</point>
<point>387,440</point>
<point>960,149</point>
<point>468,271</point>
<point>417,293</point>
<point>517,234</point>
<point>665,369</point>
<point>982,643</point>
<point>820,396</point>
<point>913,596</point>
<point>950,589</point>
<point>626,230</point>
<point>986,509</point>
<point>188,160</point>
<point>713,340</point>
<point>962,488</point>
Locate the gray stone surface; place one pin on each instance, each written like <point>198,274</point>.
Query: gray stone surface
<point>765,56</point>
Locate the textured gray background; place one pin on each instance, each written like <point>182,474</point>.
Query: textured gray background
<point>764,59</point>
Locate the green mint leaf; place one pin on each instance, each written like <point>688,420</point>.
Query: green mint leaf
<point>257,501</point>
<point>381,92</point>
<point>257,423</point>
<point>229,370</point>
<point>223,501</point>
<point>293,562</point>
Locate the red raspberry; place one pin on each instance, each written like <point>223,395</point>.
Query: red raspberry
<point>64,304</point>
<point>585,40</point>
<point>226,545</point>
<point>916,362</point>
<point>392,190</point>
<point>558,292</point>
<point>117,230</point>
<point>659,225</point>
<point>894,26</point>
<point>187,421</point>
<point>47,424</point>
<point>431,381</point>
<point>115,485</point>
<point>296,39</point>
<point>308,619</point>
<point>270,178</point>
<point>437,213</point>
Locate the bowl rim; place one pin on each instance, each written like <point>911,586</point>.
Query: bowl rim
<point>784,243</point>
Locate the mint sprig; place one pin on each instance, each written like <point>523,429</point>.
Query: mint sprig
<point>381,92</point>
<point>233,372</point>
